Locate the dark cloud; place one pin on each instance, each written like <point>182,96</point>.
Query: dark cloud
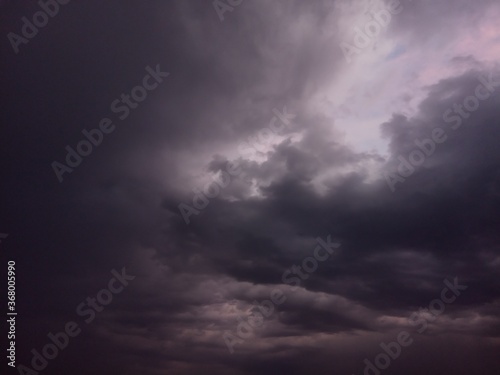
<point>120,206</point>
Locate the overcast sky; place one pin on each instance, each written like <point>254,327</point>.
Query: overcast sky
<point>260,137</point>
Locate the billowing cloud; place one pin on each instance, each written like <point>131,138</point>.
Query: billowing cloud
<point>223,191</point>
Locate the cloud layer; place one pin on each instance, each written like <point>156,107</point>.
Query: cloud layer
<point>324,174</point>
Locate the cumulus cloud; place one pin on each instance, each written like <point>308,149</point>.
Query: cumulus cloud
<point>324,175</point>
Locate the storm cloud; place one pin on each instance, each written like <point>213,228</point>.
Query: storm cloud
<point>392,154</point>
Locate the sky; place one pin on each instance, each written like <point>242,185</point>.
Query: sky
<point>243,187</point>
